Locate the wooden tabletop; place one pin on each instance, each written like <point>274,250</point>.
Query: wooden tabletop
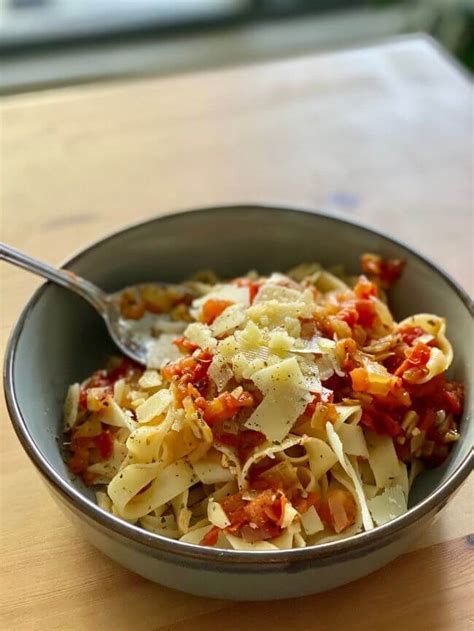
<point>382,134</point>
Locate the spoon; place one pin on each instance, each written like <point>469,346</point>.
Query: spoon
<point>128,335</point>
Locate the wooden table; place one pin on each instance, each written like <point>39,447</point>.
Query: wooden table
<point>381,134</point>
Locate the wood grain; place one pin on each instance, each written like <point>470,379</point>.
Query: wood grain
<point>398,594</point>
<point>381,134</point>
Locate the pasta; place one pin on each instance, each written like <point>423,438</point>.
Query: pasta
<point>276,412</point>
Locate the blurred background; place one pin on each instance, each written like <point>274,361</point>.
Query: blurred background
<point>45,43</point>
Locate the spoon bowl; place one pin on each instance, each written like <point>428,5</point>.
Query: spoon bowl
<point>134,337</point>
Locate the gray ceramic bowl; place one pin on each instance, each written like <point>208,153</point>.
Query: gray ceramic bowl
<point>59,339</point>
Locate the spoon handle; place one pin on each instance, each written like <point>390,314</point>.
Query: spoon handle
<point>65,278</point>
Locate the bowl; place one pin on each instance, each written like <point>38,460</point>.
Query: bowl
<point>59,339</point>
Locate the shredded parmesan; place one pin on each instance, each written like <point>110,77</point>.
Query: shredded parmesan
<point>157,404</point>
<point>286,397</point>
<point>201,335</point>
<point>391,504</point>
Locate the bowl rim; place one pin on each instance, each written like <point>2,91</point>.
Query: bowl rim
<point>353,546</point>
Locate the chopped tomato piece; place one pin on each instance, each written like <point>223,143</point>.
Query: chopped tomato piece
<point>414,366</point>
<point>247,441</point>
<point>325,396</point>
<point>251,534</point>
<point>366,313</point>
<point>244,441</point>
<point>385,271</point>
<point>452,397</point>
<point>224,407</point>
<point>105,444</point>
<point>210,538</point>
<point>213,308</point>
<point>367,420</point>
<point>107,378</point>
<point>190,370</point>
<point>257,519</point>
<point>81,448</point>
<point>440,393</point>
<point>349,315</point>
<point>79,461</point>
<point>410,333</point>
<point>382,421</point>
<point>364,288</point>
<point>342,509</point>
<point>184,344</point>
<point>253,287</point>
<point>303,504</point>
<point>389,424</point>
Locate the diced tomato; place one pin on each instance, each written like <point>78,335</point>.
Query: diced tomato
<point>346,348</point>
<point>303,504</point>
<point>259,481</point>
<point>381,421</point>
<point>79,461</point>
<point>99,379</point>
<point>250,534</point>
<point>386,271</point>
<point>371,264</point>
<point>427,390</point>
<point>223,407</point>
<point>367,420</point>
<point>81,448</point>
<point>414,366</point>
<point>342,509</point>
<point>349,315</point>
<point>253,287</point>
<point>437,394</point>
<point>257,519</point>
<point>389,424</point>
<point>213,308</point>
<point>190,370</point>
<point>107,378</point>
<point>263,509</point>
<point>324,514</point>
<point>105,445</point>
<point>360,312</point>
<point>410,333</point>
<point>337,384</point>
<point>452,396</point>
<point>364,288</point>
<point>210,538</point>
<point>184,344</point>
<point>420,354</point>
<point>226,438</point>
<point>244,441</point>
<point>366,313</point>
<point>247,441</point>
<point>325,396</point>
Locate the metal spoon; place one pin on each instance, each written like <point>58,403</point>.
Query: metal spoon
<point>127,334</point>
